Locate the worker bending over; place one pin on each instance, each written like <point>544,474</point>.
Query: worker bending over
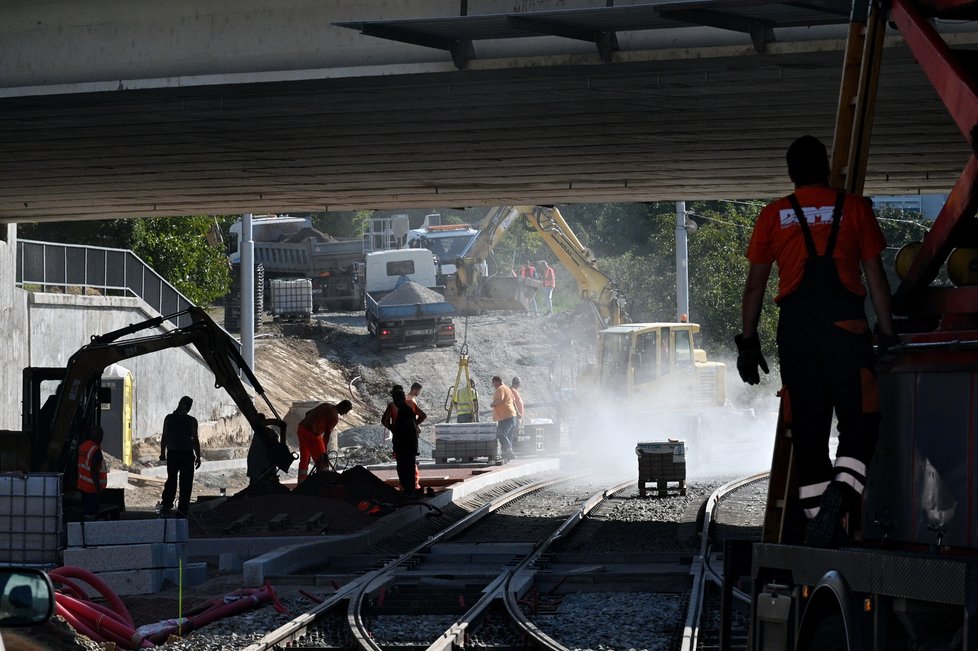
<point>314,431</point>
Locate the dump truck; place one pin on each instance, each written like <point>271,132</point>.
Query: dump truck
<point>289,248</point>
<point>404,306</point>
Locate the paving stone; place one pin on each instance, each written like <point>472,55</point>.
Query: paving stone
<point>193,574</point>
<point>111,558</point>
<point>127,532</point>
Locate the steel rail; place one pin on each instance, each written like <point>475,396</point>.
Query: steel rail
<point>357,627</point>
<point>524,572</point>
<point>701,568</point>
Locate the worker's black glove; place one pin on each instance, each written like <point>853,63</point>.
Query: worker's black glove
<point>888,348</point>
<point>749,359</point>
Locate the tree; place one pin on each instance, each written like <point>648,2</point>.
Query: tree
<point>177,248</point>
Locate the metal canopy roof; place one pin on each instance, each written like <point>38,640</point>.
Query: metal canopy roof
<point>701,124</point>
<point>599,25</point>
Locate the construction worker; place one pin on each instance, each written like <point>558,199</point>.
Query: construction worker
<point>514,388</point>
<point>406,430</point>
<point>466,401</point>
<point>92,473</point>
<point>412,400</point>
<point>314,431</point>
<point>819,238</point>
<point>504,413</point>
<point>527,270</point>
<point>180,448</point>
<point>549,283</point>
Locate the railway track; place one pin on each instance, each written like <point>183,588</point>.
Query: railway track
<point>527,566</point>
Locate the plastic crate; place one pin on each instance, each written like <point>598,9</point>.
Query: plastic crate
<point>31,524</point>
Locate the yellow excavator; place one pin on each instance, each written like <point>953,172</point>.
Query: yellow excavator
<point>634,361</point>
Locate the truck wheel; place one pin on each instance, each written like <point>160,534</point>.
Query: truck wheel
<point>829,635</point>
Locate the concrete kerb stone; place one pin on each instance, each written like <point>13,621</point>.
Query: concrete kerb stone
<point>305,554</point>
<point>127,532</point>
<point>205,466</point>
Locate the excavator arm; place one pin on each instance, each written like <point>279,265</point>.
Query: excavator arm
<point>78,391</point>
<point>593,284</point>
<point>501,292</point>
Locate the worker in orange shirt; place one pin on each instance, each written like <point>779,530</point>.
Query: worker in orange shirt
<point>92,474</point>
<point>823,240</point>
<point>314,431</point>
<point>549,283</point>
<point>504,413</point>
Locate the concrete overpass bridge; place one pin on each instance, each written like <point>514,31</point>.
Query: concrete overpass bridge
<point>120,108</point>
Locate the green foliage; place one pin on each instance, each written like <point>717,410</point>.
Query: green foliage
<point>177,248</point>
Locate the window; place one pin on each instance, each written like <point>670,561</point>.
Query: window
<point>646,367</point>
<point>684,348</point>
<point>400,268</point>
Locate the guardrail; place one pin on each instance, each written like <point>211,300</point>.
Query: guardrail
<point>94,270</point>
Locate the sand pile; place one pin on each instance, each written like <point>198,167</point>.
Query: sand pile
<point>411,293</point>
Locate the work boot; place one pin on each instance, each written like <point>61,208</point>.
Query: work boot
<point>822,529</point>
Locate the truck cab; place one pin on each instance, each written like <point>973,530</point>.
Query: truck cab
<point>404,305</point>
<point>447,242</point>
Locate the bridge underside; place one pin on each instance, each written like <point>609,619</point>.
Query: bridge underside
<point>666,129</point>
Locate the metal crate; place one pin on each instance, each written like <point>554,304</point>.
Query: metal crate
<point>465,442</point>
<point>661,463</point>
<point>31,525</point>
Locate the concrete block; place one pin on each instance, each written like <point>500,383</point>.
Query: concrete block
<point>127,532</point>
<point>193,574</point>
<point>118,479</point>
<point>230,563</point>
<point>111,558</point>
<point>132,582</point>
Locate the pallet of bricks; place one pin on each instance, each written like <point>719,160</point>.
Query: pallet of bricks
<point>661,463</point>
<point>465,442</point>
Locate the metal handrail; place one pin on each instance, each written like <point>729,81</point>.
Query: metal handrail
<point>111,272</point>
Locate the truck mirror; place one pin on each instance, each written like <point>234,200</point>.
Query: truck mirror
<point>27,597</point>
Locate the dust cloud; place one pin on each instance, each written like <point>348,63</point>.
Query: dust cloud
<point>734,440</point>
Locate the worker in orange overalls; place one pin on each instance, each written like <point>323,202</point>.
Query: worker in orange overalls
<point>820,239</point>
<point>549,283</point>
<point>314,431</point>
<point>93,476</point>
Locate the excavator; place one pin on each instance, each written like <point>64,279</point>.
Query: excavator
<point>636,362</point>
<point>51,432</point>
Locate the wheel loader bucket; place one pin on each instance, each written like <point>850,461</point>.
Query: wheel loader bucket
<point>500,293</point>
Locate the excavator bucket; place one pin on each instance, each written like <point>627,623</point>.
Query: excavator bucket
<point>500,293</point>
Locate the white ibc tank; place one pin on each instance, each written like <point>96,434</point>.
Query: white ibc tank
<point>292,297</point>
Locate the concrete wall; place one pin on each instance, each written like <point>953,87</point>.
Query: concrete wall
<point>13,317</point>
<point>59,324</point>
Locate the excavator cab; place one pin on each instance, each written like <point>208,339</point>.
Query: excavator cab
<point>657,363</point>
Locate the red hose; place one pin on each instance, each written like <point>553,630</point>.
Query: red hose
<point>70,587</point>
<point>244,599</point>
<point>98,584</point>
<point>109,628</point>
<point>76,623</point>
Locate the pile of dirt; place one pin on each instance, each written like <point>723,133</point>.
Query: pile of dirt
<point>353,485</point>
<point>411,293</point>
<point>335,499</point>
